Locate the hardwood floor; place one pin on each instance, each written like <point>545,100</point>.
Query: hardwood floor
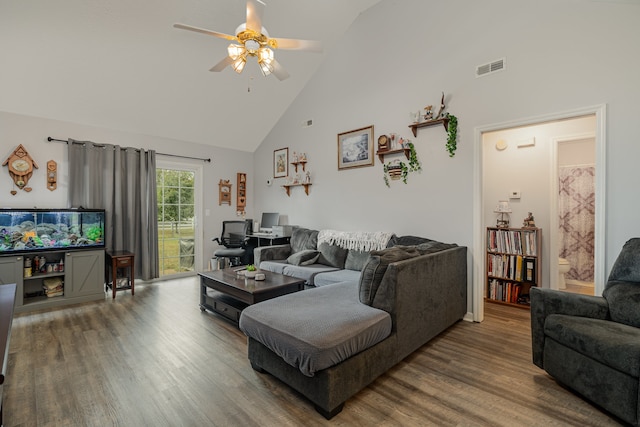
<point>155,359</point>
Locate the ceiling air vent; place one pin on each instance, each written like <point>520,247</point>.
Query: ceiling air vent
<point>491,67</point>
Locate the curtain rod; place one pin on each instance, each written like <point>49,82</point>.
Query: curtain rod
<point>161,154</point>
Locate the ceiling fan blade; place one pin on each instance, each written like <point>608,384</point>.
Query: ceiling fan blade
<point>222,64</point>
<point>207,32</point>
<point>293,44</point>
<point>255,10</point>
<point>279,71</point>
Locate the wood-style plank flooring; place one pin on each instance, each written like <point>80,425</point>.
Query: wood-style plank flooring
<point>155,360</point>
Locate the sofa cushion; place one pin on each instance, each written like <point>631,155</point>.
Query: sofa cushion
<point>376,267</point>
<point>332,255</point>
<point>306,272</point>
<point>337,276</point>
<point>613,344</point>
<point>303,239</point>
<point>356,260</point>
<point>330,326</point>
<point>624,302</point>
<point>305,257</point>
<point>275,266</point>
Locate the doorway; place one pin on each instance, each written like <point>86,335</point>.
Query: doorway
<point>527,186</point>
<point>572,208</point>
<point>179,235</point>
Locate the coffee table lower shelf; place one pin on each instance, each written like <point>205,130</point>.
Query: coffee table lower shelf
<point>224,305</point>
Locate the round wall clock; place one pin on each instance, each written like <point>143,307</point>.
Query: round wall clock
<point>383,142</point>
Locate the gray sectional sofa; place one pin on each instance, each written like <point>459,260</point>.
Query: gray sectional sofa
<point>592,344</point>
<point>331,341</point>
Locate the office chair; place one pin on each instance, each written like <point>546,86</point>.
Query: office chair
<point>233,238</point>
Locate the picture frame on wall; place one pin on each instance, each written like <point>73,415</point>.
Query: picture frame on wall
<point>281,163</point>
<point>355,148</point>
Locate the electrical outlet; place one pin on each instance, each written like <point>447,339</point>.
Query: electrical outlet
<point>514,194</point>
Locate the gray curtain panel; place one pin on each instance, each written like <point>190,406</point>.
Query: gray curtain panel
<point>122,181</point>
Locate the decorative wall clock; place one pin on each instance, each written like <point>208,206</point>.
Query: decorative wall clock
<point>20,166</point>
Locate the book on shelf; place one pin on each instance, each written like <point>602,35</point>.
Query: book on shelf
<point>530,270</point>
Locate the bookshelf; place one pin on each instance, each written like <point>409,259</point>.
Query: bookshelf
<point>513,264</point>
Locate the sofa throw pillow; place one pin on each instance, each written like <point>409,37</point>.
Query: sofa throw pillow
<point>356,260</point>
<point>306,257</point>
<point>433,246</point>
<point>303,239</point>
<point>332,255</point>
<point>407,241</point>
<point>373,272</point>
<point>623,299</point>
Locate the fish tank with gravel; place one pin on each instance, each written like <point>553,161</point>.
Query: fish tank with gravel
<point>27,230</point>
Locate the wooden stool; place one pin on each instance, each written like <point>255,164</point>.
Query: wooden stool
<point>114,261</point>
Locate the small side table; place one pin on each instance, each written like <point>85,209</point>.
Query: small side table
<point>115,260</point>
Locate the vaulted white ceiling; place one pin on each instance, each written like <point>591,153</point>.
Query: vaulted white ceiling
<point>120,64</point>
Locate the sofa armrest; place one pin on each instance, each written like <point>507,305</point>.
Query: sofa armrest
<point>545,302</point>
<point>270,253</point>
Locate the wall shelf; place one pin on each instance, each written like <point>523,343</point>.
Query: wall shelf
<point>287,188</point>
<point>302,163</point>
<point>415,126</point>
<point>381,154</point>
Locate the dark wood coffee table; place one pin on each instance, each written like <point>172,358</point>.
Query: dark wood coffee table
<point>232,294</point>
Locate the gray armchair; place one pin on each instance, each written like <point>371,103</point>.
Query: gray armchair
<point>592,344</point>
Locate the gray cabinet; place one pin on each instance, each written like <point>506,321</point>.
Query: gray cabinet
<point>85,274</point>
<point>80,272</point>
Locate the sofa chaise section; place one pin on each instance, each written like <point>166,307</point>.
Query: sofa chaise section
<point>421,292</point>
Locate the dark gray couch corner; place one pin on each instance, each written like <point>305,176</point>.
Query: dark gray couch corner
<point>424,295</point>
<point>592,344</point>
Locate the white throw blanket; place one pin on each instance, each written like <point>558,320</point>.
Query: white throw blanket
<point>356,240</point>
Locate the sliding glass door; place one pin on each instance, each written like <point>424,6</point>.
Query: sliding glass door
<point>178,205</point>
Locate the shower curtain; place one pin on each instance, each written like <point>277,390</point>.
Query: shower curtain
<point>577,220</point>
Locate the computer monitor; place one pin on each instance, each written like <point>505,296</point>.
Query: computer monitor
<point>269,219</point>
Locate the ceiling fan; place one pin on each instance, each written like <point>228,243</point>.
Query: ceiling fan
<point>253,40</point>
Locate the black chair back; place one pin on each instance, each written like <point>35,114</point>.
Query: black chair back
<point>234,233</point>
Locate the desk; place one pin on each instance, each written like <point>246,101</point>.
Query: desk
<point>115,260</point>
<point>266,239</point>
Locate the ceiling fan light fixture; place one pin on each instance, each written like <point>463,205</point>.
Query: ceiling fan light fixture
<point>236,51</point>
<point>265,55</point>
<point>238,64</point>
<point>266,68</point>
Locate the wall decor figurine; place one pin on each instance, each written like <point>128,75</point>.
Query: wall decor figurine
<point>442,107</point>
<point>52,175</point>
<point>20,166</point>
<point>428,112</point>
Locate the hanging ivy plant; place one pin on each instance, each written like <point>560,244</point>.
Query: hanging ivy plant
<point>391,167</point>
<point>452,135</point>
<point>414,163</point>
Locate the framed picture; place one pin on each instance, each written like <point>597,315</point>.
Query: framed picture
<point>281,163</point>
<point>355,148</point>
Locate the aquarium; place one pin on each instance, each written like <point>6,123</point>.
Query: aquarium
<point>27,230</point>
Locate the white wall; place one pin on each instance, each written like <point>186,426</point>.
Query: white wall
<point>398,56</point>
<point>32,133</point>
